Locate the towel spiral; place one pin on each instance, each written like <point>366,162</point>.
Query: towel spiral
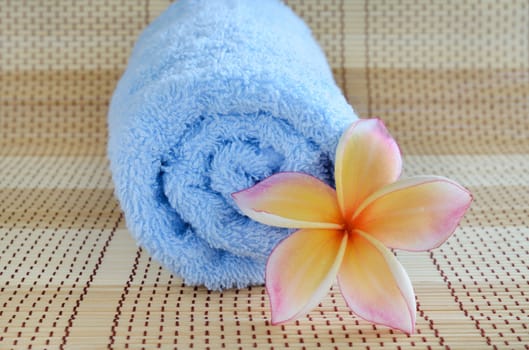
<point>216,97</point>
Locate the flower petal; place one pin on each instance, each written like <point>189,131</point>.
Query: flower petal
<point>375,285</point>
<point>301,270</point>
<point>367,158</point>
<point>418,213</point>
<point>293,200</point>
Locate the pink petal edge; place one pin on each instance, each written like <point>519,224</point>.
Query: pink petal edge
<point>400,277</point>
<point>425,227</point>
<point>292,200</point>
<point>282,260</point>
<point>367,158</point>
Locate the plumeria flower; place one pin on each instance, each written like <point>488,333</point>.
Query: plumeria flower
<point>345,233</point>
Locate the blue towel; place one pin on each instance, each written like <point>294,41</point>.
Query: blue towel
<point>217,96</point>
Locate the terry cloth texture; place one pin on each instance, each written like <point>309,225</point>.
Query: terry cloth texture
<point>450,78</point>
<point>218,95</point>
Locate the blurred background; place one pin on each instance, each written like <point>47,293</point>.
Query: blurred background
<point>449,77</point>
<point>439,73</point>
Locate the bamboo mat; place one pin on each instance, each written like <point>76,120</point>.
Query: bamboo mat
<point>451,80</point>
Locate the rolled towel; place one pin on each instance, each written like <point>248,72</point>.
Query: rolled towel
<point>217,96</point>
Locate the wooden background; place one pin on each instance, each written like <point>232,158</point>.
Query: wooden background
<point>449,77</point>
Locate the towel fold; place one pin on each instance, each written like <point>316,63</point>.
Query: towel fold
<point>218,95</point>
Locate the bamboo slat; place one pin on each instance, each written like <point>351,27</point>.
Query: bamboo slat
<point>450,79</point>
